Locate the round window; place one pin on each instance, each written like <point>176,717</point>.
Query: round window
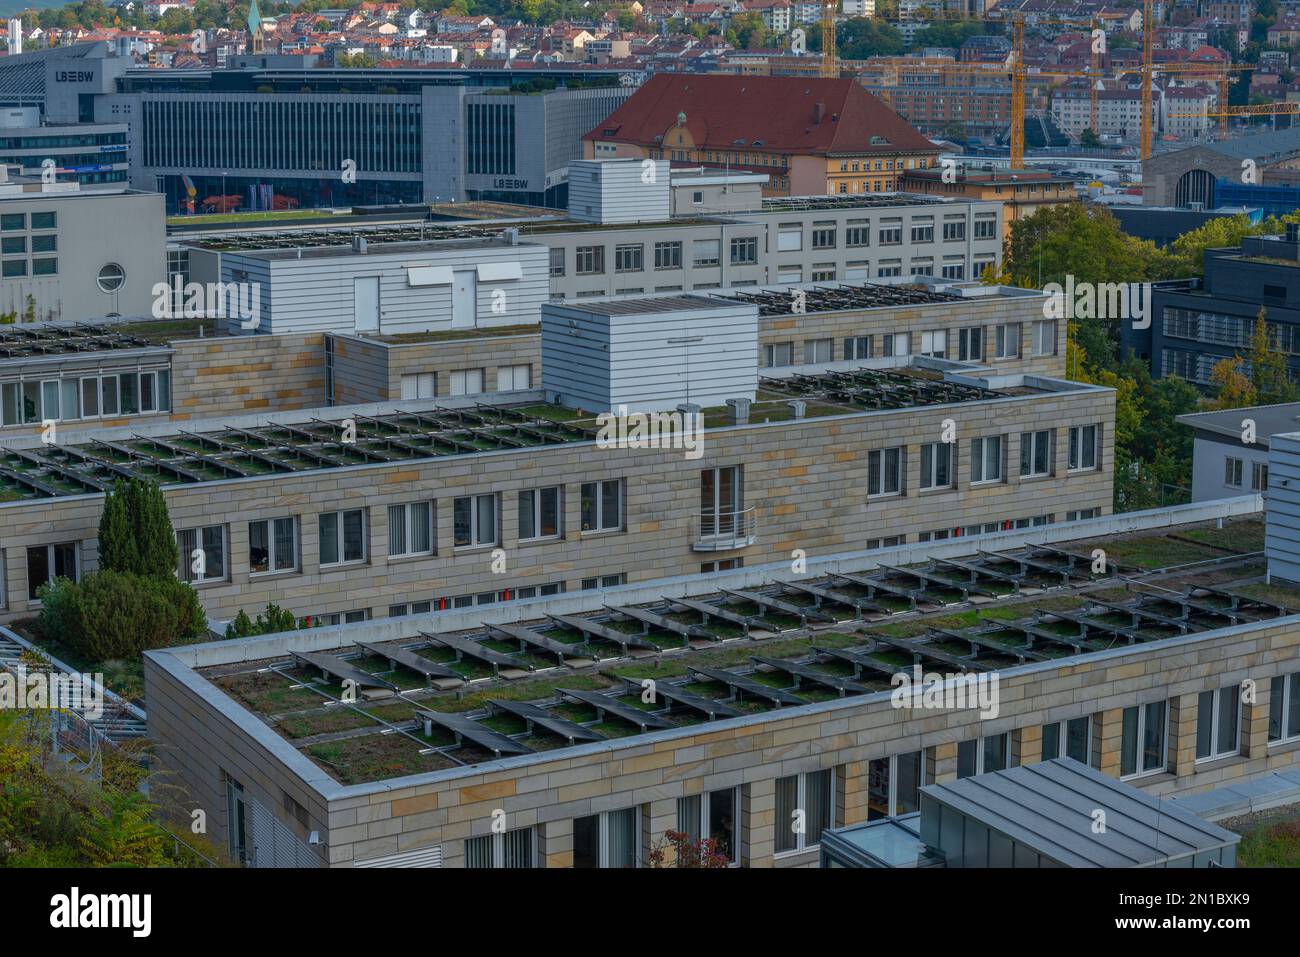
<point>111,277</point>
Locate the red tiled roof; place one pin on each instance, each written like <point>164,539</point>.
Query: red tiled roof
<point>780,111</point>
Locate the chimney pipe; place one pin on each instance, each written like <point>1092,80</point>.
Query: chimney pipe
<point>739,411</point>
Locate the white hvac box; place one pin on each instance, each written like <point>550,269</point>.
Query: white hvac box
<point>619,191</point>
<point>649,354</point>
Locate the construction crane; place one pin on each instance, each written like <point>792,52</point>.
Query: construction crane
<point>830,60</point>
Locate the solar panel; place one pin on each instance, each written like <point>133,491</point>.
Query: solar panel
<point>604,705</point>
<point>747,685</point>
<point>409,659</point>
<point>561,727</point>
<point>467,729</point>
<point>338,668</point>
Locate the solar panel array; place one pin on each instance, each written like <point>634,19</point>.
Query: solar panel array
<point>841,297</point>
<point>878,389</point>
<point>31,341</point>
<point>280,448</point>
<point>843,604</point>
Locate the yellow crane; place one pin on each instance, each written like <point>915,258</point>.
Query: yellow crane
<point>830,60</point>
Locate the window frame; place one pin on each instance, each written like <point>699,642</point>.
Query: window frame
<point>476,501</point>
<point>272,549</point>
<point>534,495</point>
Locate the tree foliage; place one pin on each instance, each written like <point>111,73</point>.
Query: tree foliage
<point>274,620</point>
<point>135,531</point>
<point>51,816</point>
<point>110,615</point>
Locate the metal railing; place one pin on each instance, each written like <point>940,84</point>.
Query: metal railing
<point>718,531</point>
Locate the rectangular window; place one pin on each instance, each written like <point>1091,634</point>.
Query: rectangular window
<point>953,271</point>
<point>711,816</point>
<point>1143,739</point>
<point>823,239</point>
<point>986,459</point>
<point>704,252</point>
<point>857,236</point>
<point>807,799</point>
<point>896,344</point>
<point>202,555</point>
<point>1083,447</point>
<point>1006,341</point>
<point>857,347</point>
<point>891,236</point>
<point>557,260</point>
<point>923,233</point>
<point>410,529</point>
<point>12,221</point>
<point>629,257</point>
<point>515,848</point>
<point>48,562</point>
<point>983,755</point>
<point>954,230</point>
<point>540,513</point>
<point>45,220</point>
<point>778,354</point>
<point>272,545</point>
<point>936,465</point>
<point>602,506</point>
<point>885,471</point>
<point>1284,707</point>
<point>819,350</point>
<point>986,228</point>
<point>467,382</point>
<point>590,260</point>
<point>475,520</point>
<point>789,240</point>
<point>420,385</point>
<point>1045,337</point>
<point>744,251</point>
<point>1035,453</point>
<point>1259,477</point>
<point>342,537</point>
<point>1218,723</point>
<point>668,255</point>
<point>894,784</point>
<point>1232,472</point>
<point>970,344</point>
<point>934,344</point>
<point>514,378</point>
<point>611,839</point>
<point>1071,739</point>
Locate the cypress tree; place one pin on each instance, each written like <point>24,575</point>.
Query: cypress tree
<point>118,549</point>
<point>156,535</point>
<point>135,532</point>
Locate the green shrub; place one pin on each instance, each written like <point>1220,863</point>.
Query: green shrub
<point>276,619</point>
<point>112,614</point>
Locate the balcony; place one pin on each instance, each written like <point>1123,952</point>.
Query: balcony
<point>723,531</point>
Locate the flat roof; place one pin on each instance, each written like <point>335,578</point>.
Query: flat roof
<point>209,451</point>
<point>1050,808</point>
<point>858,629</point>
<point>1269,420</point>
<point>860,201</point>
<point>28,341</point>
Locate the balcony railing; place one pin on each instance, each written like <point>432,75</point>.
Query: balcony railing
<point>722,531</point>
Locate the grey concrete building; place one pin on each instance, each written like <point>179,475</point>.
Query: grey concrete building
<point>68,254</point>
<point>1231,448</point>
